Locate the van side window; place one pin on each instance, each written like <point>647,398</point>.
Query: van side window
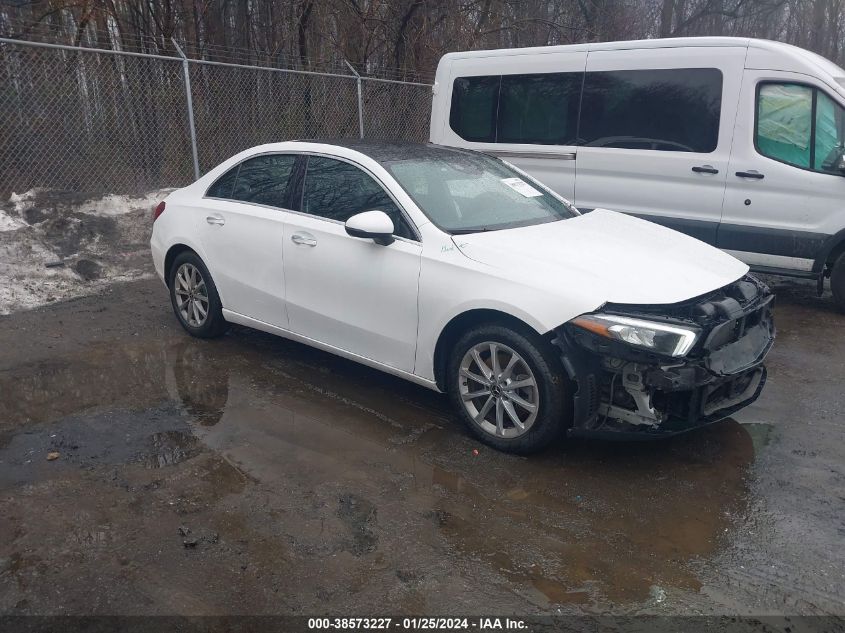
<point>829,138</point>
<point>799,125</point>
<point>540,109</point>
<point>673,110</point>
<point>784,123</point>
<point>474,104</point>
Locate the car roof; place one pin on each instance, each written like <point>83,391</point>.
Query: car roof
<point>389,151</point>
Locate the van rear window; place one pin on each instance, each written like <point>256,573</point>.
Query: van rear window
<point>538,108</point>
<point>474,104</point>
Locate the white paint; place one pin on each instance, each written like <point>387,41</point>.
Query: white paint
<point>774,261</point>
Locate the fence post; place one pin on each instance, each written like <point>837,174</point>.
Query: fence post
<point>186,71</point>
<point>360,100</point>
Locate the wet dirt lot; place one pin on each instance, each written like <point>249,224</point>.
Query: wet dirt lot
<point>255,475</point>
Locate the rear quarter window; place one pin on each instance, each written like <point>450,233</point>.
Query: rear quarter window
<point>222,187</point>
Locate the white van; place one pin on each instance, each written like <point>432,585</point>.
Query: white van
<point>738,142</point>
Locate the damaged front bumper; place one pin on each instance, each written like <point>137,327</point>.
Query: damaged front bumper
<point>622,389</point>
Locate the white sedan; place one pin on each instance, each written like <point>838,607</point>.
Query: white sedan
<point>461,273</point>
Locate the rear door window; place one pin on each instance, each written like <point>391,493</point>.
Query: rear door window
<point>664,109</point>
<point>264,180</point>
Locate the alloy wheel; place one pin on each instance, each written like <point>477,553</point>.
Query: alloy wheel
<point>498,389</point>
<point>191,295</point>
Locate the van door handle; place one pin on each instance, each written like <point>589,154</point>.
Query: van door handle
<point>304,239</point>
<point>753,174</point>
<point>215,219</point>
<point>705,169</point>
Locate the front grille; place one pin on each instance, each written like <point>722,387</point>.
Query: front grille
<point>734,329</point>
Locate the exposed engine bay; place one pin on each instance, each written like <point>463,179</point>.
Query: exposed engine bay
<point>624,388</point>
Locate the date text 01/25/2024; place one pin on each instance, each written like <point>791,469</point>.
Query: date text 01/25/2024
<point>417,624</point>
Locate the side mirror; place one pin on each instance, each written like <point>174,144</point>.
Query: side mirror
<point>835,161</point>
<point>839,165</point>
<point>374,225</point>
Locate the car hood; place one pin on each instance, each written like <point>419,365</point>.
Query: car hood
<point>605,256</point>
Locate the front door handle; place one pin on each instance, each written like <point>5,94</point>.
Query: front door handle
<point>753,174</point>
<point>215,219</point>
<point>304,239</point>
<point>705,169</point>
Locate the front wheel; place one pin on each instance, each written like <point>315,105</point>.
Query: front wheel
<point>508,388</point>
<point>837,282</point>
<point>194,297</point>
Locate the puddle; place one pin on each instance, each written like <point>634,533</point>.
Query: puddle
<point>362,471</point>
<point>169,448</point>
<point>761,434</point>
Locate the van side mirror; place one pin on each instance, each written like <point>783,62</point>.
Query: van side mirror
<point>839,165</point>
<point>835,161</point>
<point>375,225</point>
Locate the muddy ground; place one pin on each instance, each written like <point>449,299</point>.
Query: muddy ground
<point>255,475</point>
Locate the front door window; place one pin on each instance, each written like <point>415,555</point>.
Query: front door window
<point>799,125</point>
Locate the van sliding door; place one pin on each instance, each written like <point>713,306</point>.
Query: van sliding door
<point>655,134</point>
<point>522,108</point>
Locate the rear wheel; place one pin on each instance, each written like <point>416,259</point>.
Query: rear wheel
<point>508,388</point>
<point>837,281</point>
<point>194,297</point>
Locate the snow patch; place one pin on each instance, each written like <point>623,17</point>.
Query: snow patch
<point>25,280</point>
<point>10,222</point>
<point>57,245</point>
<point>113,204</point>
<point>22,202</point>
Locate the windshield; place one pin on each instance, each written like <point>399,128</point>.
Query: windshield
<point>468,193</point>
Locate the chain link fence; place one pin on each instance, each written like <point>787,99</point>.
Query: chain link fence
<point>99,121</point>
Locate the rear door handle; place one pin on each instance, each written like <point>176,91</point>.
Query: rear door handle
<point>705,169</point>
<point>753,174</point>
<point>305,239</point>
<point>215,219</point>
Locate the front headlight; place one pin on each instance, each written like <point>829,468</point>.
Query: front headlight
<point>662,338</point>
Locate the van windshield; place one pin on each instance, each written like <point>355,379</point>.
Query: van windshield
<point>468,193</point>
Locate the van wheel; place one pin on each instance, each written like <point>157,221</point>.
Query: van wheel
<point>508,388</point>
<point>194,297</point>
<point>837,282</point>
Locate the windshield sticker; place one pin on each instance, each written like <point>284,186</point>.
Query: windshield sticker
<point>520,186</point>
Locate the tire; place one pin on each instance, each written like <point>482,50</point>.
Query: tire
<point>512,392</point>
<point>837,282</point>
<point>188,267</point>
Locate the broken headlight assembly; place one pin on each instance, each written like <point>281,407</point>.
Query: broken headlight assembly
<point>654,336</point>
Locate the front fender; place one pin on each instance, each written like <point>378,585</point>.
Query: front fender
<point>449,287</point>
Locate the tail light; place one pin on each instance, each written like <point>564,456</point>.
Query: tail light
<point>158,210</point>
